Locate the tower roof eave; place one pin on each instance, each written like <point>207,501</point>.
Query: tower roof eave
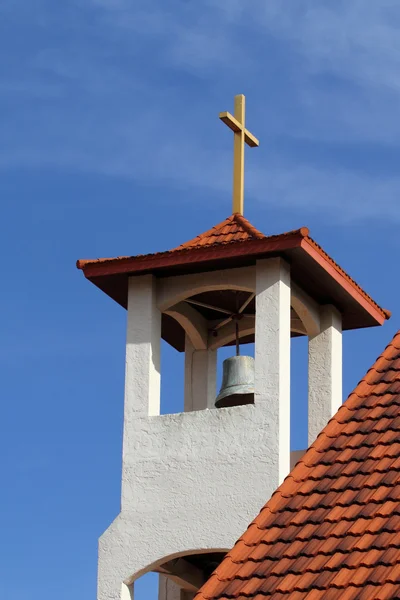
<point>234,243</point>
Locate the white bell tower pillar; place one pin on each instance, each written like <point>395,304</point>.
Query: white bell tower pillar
<point>200,377</point>
<point>142,366</point>
<point>324,371</point>
<point>272,357</point>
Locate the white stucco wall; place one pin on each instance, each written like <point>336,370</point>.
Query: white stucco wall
<point>192,481</point>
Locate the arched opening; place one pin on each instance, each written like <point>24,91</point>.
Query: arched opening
<point>177,577</point>
<point>209,319</point>
<point>220,316</point>
<point>191,571</point>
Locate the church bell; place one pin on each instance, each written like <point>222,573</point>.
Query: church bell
<point>237,382</point>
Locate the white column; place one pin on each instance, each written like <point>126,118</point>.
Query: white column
<point>142,364</point>
<point>127,592</point>
<point>142,367</point>
<point>200,377</point>
<point>272,356</point>
<point>324,372</point>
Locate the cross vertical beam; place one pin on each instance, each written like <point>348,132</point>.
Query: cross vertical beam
<point>238,156</point>
<point>241,136</point>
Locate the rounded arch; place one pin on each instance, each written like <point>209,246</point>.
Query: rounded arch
<point>194,325</point>
<point>227,334</point>
<point>306,309</point>
<point>174,565</point>
<point>199,330</point>
<point>172,290</point>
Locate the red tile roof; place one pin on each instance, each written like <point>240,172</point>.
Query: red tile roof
<point>316,249</point>
<point>332,529</point>
<point>231,241</point>
<point>234,229</point>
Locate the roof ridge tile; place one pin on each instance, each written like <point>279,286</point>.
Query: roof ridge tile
<point>235,224</point>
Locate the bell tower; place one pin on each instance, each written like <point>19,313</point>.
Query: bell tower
<point>191,482</point>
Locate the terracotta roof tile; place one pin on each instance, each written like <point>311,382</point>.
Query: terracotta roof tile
<point>339,269</point>
<point>332,529</point>
<point>236,240</point>
<point>232,230</point>
<point>235,228</point>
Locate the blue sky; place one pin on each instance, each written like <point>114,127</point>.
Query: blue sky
<point>111,144</point>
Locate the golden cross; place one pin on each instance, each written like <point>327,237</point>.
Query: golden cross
<point>241,135</point>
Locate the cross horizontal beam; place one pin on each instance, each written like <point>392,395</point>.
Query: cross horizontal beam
<point>236,127</point>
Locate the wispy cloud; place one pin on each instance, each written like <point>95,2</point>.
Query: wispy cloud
<point>350,38</point>
<point>131,89</point>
